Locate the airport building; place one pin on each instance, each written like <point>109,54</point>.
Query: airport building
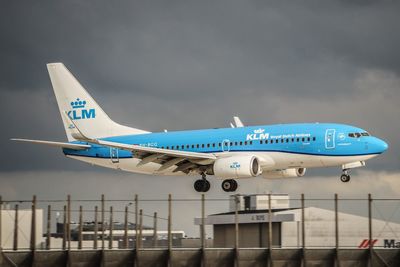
<point>253,220</point>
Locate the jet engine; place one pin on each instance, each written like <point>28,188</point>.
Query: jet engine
<point>285,173</point>
<point>236,167</point>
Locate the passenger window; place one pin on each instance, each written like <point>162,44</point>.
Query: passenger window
<point>202,145</point>
<point>167,147</point>
<point>183,146</point>
<point>292,139</point>
<point>197,145</point>
<point>236,143</point>
<point>208,145</point>
<point>241,143</point>
<point>302,139</point>
<point>282,140</point>
<point>245,143</point>
<point>276,141</point>
<point>308,139</point>
<point>162,147</point>
<point>313,138</point>
<point>219,144</point>
<point>298,140</point>
<point>231,144</point>
<point>266,142</point>
<point>287,140</point>
<point>172,147</point>
<point>192,146</point>
<point>261,142</point>
<point>213,144</point>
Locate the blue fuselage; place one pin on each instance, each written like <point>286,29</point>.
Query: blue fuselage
<point>319,139</point>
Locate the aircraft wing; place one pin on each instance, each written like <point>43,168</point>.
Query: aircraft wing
<point>153,150</point>
<point>52,143</point>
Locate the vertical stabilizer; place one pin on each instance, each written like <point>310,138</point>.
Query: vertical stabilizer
<point>87,115</point>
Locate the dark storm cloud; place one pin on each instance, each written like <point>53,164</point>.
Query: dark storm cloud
<point>194,64</point>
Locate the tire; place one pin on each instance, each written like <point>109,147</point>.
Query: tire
<point>229,185</point>
<point>226,185</point>
<point>345,178</point>
<point>198,185</point>
<point>201,185</point>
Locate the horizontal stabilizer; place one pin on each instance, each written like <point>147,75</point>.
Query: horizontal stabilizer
<point>57,144</point>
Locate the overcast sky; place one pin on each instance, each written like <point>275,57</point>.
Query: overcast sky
<point>175,65</point>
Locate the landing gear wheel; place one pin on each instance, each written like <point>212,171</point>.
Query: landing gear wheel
<point>229,185</point>
<point>202,185</point>
<point>345,178</point>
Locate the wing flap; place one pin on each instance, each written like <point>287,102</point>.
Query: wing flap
<point>52,143</point>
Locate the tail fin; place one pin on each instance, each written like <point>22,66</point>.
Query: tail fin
<point>74,100</point>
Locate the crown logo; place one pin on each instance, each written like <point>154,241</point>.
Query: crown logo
<point>78,103</point>
<point>258,131</point>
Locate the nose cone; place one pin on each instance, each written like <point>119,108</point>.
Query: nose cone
<point>380,145</point>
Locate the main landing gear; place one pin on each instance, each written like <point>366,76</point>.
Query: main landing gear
<point>202,185</point>
<point>345,177</point>
<point>229,185</point>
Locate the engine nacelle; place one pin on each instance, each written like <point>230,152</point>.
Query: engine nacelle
<point>286,173</point>
<point>237,167</point>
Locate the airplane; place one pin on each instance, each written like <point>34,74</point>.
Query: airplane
<point>237,152</point>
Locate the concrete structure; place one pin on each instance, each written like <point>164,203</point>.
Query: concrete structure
<point>24,228</point>
<point>253,218</point>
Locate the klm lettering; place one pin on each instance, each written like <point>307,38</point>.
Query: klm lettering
<point>81,114</point>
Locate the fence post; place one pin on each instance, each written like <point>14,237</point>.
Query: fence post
<point>80,228</point>
<point>269,231</point>
<point>236,230</point>
<point>64,245</point>
<point>126,228</point>
<point>141,228</point>
<point>1,239</point>
<point>203,231</point>
<point>102,221</point>
<point>136,221</point>
<point>370,243</point>
<point>337,231</point>
<point>48,245</point>
<point>33,224</point>
<point>96,228</point>
<point>169,229</point>
<point>110,242</point>
<point>69,221</point>
<point>155,237</point>
<point>15,243</point>
<point>303,231</point>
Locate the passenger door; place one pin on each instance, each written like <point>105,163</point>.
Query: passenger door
<point>330,138</point>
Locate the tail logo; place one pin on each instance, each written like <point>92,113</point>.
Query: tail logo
<point>79,112</point>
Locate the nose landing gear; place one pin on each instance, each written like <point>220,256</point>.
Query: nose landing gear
<point>202,185</point>
<point>345,177</point>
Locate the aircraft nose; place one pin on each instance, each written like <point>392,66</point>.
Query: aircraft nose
<point>381,145</point>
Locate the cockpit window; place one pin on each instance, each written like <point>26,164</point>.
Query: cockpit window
<point>358,135</point>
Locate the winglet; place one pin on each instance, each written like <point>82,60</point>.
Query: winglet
<point>238,122</point>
